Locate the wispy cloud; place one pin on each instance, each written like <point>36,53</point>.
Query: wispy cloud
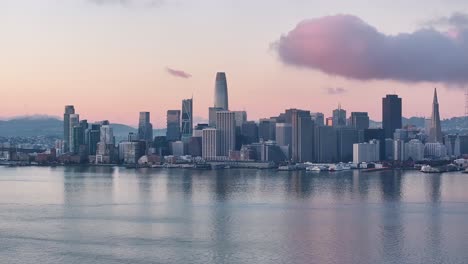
<point>335,90</point>
<point>178,73</point>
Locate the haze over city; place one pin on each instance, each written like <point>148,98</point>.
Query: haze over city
<point>113,59</point>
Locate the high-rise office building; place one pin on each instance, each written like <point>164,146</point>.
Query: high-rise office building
<point>93,136</point>
<point>267,129</point>
<point>210,143</point>
<point>326,141</point>
<point>318,118</point>
<point>74,120</point>
<point>391,114</point>
<point>339,117</point>
<point>187,118</point>
<point>359,120</point>
<point>249,132</point>
<point>241,117</point>
<point>145,128</point>
<point>107,135</point>
<point>284,134</point>
<point>346,138</point>
<point>378,134</point>
<point>435,130</point>
<point>221,92</point>
<point>226,126</point>
<point>212,115</point>
<point>69,110</point>
<point>173,125</point>
<point>414,150</point>
<point>366,152</point>
<point>302,128</point>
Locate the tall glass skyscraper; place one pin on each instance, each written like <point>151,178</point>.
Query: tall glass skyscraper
<point>187,118</point>
<point>145,128</point>
<point>173,125</point>
<point>221,93</point>
<point>69,110</point>
<point>391,114</point>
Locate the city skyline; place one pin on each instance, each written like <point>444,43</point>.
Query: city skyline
<point>142,59</point>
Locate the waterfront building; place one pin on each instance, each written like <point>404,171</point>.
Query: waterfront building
<point>226,126</point>
<point>366,152</point>
<point>391,114</point>
<point>414,150</point>
<point>379,134</point>
<point>399,153</point>
<point>302,128</point>
<point>210,146</point>
<point>326,150</point>
<point>435,150</point>
<point>452,143</point>
<point>346,137</point>
<point>178,148</point>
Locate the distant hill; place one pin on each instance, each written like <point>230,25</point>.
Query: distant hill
<point>51,126</point>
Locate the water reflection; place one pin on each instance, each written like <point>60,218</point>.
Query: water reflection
<point>236,216</point>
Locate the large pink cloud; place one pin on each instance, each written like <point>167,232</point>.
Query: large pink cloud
<point>344,45</point>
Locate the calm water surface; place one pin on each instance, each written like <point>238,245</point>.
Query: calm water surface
<point>114,215</point>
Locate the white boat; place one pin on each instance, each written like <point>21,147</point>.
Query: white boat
<point>314,169</point>
<point>429,169</point>
<point>337,167</point>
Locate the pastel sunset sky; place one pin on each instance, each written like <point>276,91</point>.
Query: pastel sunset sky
<point>114,58</point>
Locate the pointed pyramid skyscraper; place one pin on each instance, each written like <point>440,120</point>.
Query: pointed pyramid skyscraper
<point>435,131</point>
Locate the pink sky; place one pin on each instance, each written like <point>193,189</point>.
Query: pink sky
<point>111,62</point>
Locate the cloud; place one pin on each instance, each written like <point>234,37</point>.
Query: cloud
<point>145,3</point>
<point>457,20</point>
<point>178,73</point>
<point>344,45</point>
<point>336,90</point>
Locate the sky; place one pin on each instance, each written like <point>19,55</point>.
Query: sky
<point>115,58</point>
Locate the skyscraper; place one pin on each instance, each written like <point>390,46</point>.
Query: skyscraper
<point>187,118</point>
<point>435,130</point>
<point>391,114</point>
<point>326,144</point>
<point>267,129</point>
<point>221,91</point>
<point>210,143</point>
<point>302,136</point>
<point>73,121</point>
<point>173,125</point>
<point>318,118</point>
<point>359,120</point>
<point>145,128</point>
<point>212,115</point>
<point>339,117</point>
<point>226,125</point>
<point>69,110</point>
